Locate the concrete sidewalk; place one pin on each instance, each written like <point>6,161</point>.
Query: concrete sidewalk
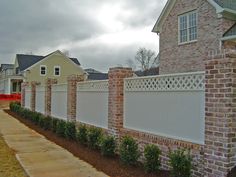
<point>39,156</point>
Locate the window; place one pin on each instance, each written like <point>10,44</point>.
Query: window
<point>56,70</point>
<point>188,27</point>
<point>43,70</point>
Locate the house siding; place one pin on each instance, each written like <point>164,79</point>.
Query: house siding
<point>175,58</point>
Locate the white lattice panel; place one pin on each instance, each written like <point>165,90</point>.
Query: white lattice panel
<point>173,82</point>
<point>93,86</point>
<point>59,88</point>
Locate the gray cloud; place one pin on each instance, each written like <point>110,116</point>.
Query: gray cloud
<point>41,25</point>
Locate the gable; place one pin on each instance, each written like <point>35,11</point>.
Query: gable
<point>222,11</point>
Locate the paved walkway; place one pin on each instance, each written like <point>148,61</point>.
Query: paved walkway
<point>39,156</point>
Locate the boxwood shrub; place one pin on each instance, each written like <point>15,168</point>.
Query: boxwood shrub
<point>128,151</point>
<point>81,135</point>
<point>180,162</point>
<point>108,146</point>
<point>94,137</point>
<point>152,158</point>
<point>54,124</point>
<point>70,130</point>
<point>61,126</point>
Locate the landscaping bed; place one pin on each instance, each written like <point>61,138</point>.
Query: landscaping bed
<point>109,165</point>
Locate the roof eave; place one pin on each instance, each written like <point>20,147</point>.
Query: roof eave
<point>229,38</point>
<point>158,25</point>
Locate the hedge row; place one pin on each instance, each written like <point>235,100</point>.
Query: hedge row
<point>180,160</point>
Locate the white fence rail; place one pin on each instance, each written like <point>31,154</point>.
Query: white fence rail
<point>40,99</point>
<point>59,101</point>
<point>27,97</point>
<point>167,105</point>
<point>92,103</point>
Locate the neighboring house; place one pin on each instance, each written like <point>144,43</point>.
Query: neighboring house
<point>191,30</point>
<point>54,65</point>
<point>9,82</point>
<point>150,72</point>
<point>96,75</point>
<point>30,68</point>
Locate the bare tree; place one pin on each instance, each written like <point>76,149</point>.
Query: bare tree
<point>146,58</point>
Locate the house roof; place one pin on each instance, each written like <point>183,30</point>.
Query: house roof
<point>6,66</point>
<point>225,8</point>
<point>149,72</point>
<point>97,76</point>
<point>26,61</point>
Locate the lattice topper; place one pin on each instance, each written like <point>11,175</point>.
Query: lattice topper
<point>93,86</point>
<point>174,82</point>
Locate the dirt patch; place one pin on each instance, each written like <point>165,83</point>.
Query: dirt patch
<point>110,166</point>
<point>9,166</point>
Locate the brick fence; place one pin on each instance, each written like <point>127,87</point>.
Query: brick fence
<point>216,157</point>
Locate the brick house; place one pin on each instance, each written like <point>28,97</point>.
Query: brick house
<point>190,30</point>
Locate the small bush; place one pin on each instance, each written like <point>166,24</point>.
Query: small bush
<point>181,163</point>
<point>14,106</point>
<point>54,124</point>
<point>82,134</point>
<point>41,121</point>
<point>61,126</point>
<point>128,150</point>
<point>70,131</point>
<point>94,137</point>
<point>47,123</point>
<point>108,146</point>
<point>152,158</point>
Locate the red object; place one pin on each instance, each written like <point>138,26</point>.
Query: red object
<point>10,97</point>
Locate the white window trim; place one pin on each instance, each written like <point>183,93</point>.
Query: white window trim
<point>188,41</point>
<point>59,71</point>
<point>45,70</point>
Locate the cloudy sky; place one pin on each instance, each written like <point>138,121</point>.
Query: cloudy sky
<point>100,33</point>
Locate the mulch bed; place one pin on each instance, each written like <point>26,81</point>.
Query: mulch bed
<point>110,166</point>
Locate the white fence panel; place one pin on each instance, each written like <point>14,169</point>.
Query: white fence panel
<point>5,86</point>
<point>40,99</point>
<point>92,103</point>
<point>167,105</point>
<point>27,97</point>
<point>59,101</point>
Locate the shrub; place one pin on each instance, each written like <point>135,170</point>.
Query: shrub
<point>35,118</point>
<point>61,126</point>
<point>94,137</point>
<point>47,123</point>
<point>152,160</point>
<point>108,146</point>
<point>54,124</point>
<point>128,150</point>
<point>14,106</point>
<point>70,131</point>
<point>41,121</point>
<point>181,163</point>
<point>82,134</point>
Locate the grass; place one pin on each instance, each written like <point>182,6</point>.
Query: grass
<point>9,166</point>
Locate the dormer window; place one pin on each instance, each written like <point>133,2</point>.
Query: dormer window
<point>187,27</point>
<point>57,70</point>
<point>43,70</point>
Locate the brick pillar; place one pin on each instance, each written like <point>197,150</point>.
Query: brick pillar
<point>72,95</point>
<point>48,95</point>
<point>116,97</point>
<point>220,115</point>
<point>23,85</point>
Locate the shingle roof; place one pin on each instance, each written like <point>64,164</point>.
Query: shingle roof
<point>6,66</point>
<point>25,61</point>
<point>97,76</point>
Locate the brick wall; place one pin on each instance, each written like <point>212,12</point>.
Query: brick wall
<point>220,125</point>
<point>175,58</point>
